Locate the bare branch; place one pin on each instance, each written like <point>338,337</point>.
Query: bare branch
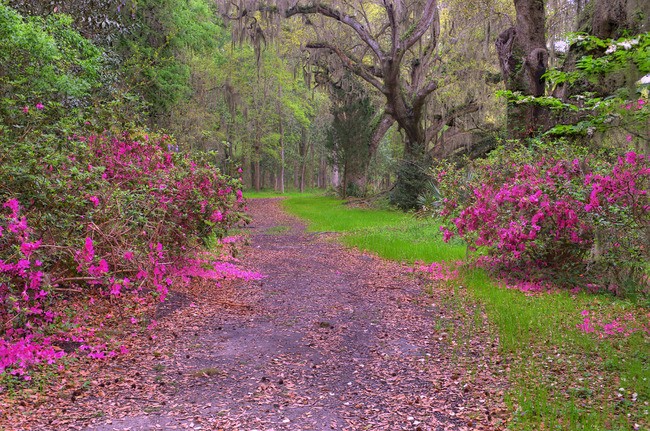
<point>341,17</point>
<point>421,95</point>
<point>392,22</point>
<point>449,118</point>
<point>428,15</point>
<point>385,123</point>
<point>353,65</point>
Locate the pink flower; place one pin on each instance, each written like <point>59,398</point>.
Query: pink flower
<point>628,138</point>
<point>97,355</point>
<point>103,266</point>
<point>216,217</point>
<point>100,269</point>
<point>28,248</point>
<point>94,200</point>
<point>128,255</point>
<point>88,252</point>
<point>585,312</point>
<point>446,234</point>
<point>39,106</point>
<point>585,326</point>
<point>14,206</point>
<point>26,109</point>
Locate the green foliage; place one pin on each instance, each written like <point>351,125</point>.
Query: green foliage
<point>160,54</point>
<point>48,73</point>
<point>413,182</point>
<point>621,109</point>
<point>45,59</point>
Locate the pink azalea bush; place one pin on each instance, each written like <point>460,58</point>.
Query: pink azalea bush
<point>103,216</point>
<point>570,218</point>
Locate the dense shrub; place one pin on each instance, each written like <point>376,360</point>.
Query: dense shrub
<point>115,216</point>
<point>543,214</point>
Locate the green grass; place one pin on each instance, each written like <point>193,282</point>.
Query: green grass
<point>562,378</point>
<point>270,193</point>
<point>389,234</point>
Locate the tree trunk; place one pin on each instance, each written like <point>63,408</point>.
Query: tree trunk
<point>246,175</point>
<point>257,156</point>
<point>281,179</point>
<point>304,156</point>
<point>523,60</point>
<point>281,127</point>
<point>256,175</point>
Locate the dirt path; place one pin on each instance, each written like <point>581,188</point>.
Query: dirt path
<point>330,339</point>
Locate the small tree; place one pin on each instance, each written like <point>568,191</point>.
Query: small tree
<point>352,113</point>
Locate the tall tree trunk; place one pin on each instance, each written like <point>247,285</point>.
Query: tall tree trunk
<point>256,175</point>
<point>246,175</point>
<point>281,127</point>
<point>257,156</point>
<point>323,173</point>
<point>306,145</point>
<point>344,186</point>
<point>523,59</point>
<point>282,173</point>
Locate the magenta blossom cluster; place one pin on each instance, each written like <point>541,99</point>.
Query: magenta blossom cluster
<point>24,297</point>
<point>555,213</point>
<point>510,216</point>
<point>437,271</point>
<point>138,230</point>
<point>624,326</point>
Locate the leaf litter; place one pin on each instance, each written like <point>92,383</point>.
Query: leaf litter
<point>330,339</point>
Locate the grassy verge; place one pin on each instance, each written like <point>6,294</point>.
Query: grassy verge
<point>270,193</point>
<point>389,234</point>
<point>562,378</point>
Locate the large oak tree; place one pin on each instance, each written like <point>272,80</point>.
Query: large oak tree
<point>392,46</point>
